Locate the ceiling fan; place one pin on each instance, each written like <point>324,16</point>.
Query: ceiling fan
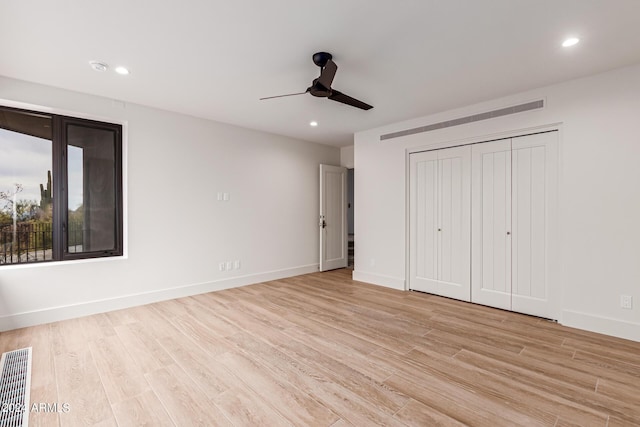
<point>321,87</point>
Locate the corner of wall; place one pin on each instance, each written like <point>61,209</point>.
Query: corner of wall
<point>347,157</point>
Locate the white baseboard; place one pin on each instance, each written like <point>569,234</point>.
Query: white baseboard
<point>603,325</point>
<point>54,314</point>
<point>379,279</point>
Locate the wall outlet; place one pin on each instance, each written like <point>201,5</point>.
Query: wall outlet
<point>229,265</point>
<point>236,264</point>
<point>372,263</point>
<point>626,301</point>
<point>219,196</point>
<point>221,266</point>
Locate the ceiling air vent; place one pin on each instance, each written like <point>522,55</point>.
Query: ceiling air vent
<point>534,105</point>
<point>15,385</point>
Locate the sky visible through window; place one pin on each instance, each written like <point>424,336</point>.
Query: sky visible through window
<point>74,171</point>
<point>26,159</point>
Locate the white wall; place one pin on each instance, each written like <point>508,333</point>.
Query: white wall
<point>599,120</point>
<point>346,157</point>
<point>177,230</point>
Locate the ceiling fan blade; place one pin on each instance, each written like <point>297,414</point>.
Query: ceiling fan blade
<point>327,74</point>
<point>288,94</point>
<point>346,99</point>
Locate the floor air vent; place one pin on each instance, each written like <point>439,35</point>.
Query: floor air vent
<point>15,386</point>
<point>534,105</point>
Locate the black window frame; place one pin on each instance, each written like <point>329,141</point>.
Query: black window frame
<point>59,175</point>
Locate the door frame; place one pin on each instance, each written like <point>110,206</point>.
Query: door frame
<point>556,262</point>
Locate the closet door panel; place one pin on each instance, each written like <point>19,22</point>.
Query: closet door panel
<point>522,232</point>
<point>454,165</point>
<point>533,211</point>
<point>539,229</point>
<point>439,227</point>
<point>491,224</point>
<point>424,221</point>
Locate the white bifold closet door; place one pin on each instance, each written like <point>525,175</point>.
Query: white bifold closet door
<point>440,204</point>
<point>491,223</point>
<point>514,209</point>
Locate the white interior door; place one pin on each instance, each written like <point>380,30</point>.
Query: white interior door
<point>333,217</point>
<point>440,222</point>
<point>491,224</point>
<point>534,184</point>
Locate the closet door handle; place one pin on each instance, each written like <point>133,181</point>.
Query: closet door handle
<point>508,233</point>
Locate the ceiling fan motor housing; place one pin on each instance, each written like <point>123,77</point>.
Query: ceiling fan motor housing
<point>321,58</point>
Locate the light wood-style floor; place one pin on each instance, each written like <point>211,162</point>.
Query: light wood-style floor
<point>324,350</point>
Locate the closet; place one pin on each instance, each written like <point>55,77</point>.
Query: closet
<point>483,223</point>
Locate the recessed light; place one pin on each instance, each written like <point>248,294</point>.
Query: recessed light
<point>313,123</point>
<point>571,41</point>
<point>122,70</point>
<point>98,66</point>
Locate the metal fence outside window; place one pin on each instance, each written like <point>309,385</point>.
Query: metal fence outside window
<point>33,241</point>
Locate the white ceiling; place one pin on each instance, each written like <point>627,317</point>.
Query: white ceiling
<point>408,58</point>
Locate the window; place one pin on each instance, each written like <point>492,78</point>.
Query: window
<point>60,187</point>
